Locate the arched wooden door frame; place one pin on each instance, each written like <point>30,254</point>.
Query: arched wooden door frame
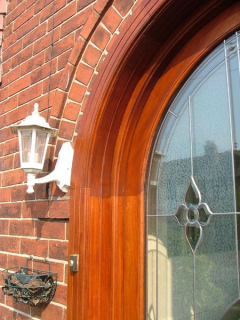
<point>137,81</point>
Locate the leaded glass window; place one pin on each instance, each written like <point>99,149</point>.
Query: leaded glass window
<point>193,201</point>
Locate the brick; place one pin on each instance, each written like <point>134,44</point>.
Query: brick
<point>123,6</point>
<point>76,51</point>
<point>66,273</point>
<point>59,209</point>
<point>20,316</point>
<point>89,25</point>
<point>40,4</point>
<point>58,250</point>
<point>4,94</point>
<point>83,3</point>
<point>4,225</point>
<point>27,27</point>
<point>8,30</point>
<point>40,73</point>
<point>56,33</point>
<point>50,229</point>
<point>12,5</point>
<point>10,40</point>
<point>1,151</point>
<point>8,314</point>
<point>66,130</point>
<point>65,14</point>
<point>42,44</point>
<point>9,244</point>
<point>6,66</point>
<point>92,56</point>
<point>75,22</point>
<point>41,191</point>
<point>34,247</point>
<point>100,5</point>
<point>101,37</point>
<point>29,3</point>
<point>24,55</point>
<point>18,193</point>
<point>112,20</point>
<point>59,101</point>
<point>5,134</point>
<point>32,63</point>
<point>77,92</point>
<point>16,12</point>
<point>56,192</point>
<point>84,73</point>
<point>30,94</point>
<point>54,81</point>
<point>1,25</point>
<point>14,74</point>
<point>8,105</point>
<point>6,163</point>
<point>61,294</point>
<point>3,121</point>
<point>66,78</point>
<point>43,101</point>
<point>11,51</point>
<point>27,15</point>
<point>35,209</point>
<point>46,13</point>
<point>48,312</point>
<point>21,228</point>
<point>22,307</point>
<point>5,195</point>
<point>63,59</point>
<point>19,85</point>
<point>71,111</point>
<point>11,146</point>
<point>16,160</point>
<point>16,260</point>
<point>35,34</point>
<point>58,268</point>
<point>16,115</point>
<point>59,4</point>
<point>3,260</point>
<point>63,45</point>
<point>12,177</point>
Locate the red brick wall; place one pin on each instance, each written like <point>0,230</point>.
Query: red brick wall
<point>52,51</point>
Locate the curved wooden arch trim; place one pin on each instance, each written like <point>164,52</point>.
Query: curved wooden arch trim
<point>112,151</point>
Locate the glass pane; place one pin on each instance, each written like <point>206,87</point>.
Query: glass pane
<point>170,270</point>
<point>26,138</point>
<point>193,228</point>
<point>212,145</point>
<point>216,268</point>
<point>40,145</point>
<point>175,166</point>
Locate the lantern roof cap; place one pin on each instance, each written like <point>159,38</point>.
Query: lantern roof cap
<point>34,120</point>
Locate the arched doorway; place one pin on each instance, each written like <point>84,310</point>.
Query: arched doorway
<point>107,226</point>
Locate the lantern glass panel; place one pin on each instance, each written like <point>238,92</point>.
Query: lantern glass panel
<point>40,146</point>
<point>26,138</point>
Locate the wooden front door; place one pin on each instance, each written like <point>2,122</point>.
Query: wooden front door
<point>140,76</point>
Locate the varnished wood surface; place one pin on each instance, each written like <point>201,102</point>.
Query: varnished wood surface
<point>115,137</point>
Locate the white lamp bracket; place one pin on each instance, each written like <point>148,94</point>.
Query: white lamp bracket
<point>61,174</point>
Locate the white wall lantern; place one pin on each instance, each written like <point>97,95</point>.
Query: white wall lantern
<point>33,134</point>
